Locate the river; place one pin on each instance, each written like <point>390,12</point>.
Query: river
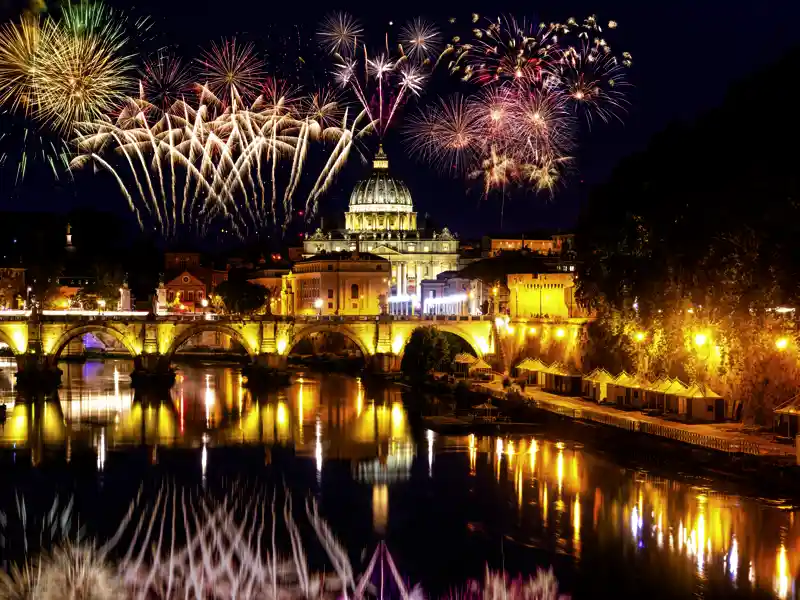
<point>446,506</point>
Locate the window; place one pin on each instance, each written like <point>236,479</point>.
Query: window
<point>330,294</point>
<point>354,291</point>
<point>379,268</point>
<point>170,296</point>
<point>330,267</point>
<point>427,248</point>
<point>199,295</point>
<point>330,304</point>
<point>190,295</point>
<point>411,247</point>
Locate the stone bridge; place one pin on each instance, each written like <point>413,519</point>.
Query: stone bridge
<point>41,338</point>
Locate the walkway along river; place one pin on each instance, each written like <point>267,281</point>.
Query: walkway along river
<point>446,505</point>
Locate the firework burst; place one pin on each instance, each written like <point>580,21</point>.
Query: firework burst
<point>56,72</point>
<point>539,83</point>
<point>232,71</point>
<point>382,81</point>
<point>164,79</point>
<point>339,33</point>
<point>420,40</point>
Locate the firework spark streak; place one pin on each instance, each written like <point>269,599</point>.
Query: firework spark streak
<point>191,163</point>
<point>539,82</point>
<point>381,82</point>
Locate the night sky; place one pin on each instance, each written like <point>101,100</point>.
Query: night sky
<point>686,53</point>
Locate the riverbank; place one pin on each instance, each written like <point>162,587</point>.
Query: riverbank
<point>731,438</point>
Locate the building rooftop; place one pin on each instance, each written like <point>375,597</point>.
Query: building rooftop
<point>343,255</point>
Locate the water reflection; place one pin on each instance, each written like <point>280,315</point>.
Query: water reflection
<point>566,494</point>
<point>321,417</point>
<point>561,497</point>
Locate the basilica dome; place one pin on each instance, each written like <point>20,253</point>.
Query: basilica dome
<point>380,192</point>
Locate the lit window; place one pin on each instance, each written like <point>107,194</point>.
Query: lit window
<point>411,247</point>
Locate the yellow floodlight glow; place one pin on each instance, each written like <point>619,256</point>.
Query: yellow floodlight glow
<point>510,328</point>
<point>532,331</point>
<point>282,343</point>
<point>640,336</point>
<point>782,343</point>
<point>397,343</point>
<point>700,339</point>
<point>560,333</point>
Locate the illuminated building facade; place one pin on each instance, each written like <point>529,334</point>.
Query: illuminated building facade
<point>381,220</point>
<point>542,294</point>
<point>450,294</point>
<point>336,283</point>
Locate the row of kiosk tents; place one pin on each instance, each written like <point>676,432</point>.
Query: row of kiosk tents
<point>693,402</point>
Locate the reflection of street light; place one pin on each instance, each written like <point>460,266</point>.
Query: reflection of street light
<point>560,333</point>
<point>782,343</point>
<point>532,331</point>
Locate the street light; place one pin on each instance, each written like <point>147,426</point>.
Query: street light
<point>782,343</point>
<point>204,302</point>
<point>640,336</point>
<point>560,333</point>
<point>700,339</point>
<point>102,304</point>
<point>318,306</point>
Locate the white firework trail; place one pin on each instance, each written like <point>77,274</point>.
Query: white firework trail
<point>221,156</point>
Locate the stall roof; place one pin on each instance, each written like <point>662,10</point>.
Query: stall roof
<point>700,391</point>
<point>599,375</point>
<point>532,365</point>
<point>480,364</point>
<point>465,359</point>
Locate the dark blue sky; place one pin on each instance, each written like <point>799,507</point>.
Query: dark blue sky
<point>686,53</point>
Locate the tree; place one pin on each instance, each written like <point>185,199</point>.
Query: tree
<point>241,296</point>
<point>691,245</point>
<point>103,291</point>
<point>427,350</point>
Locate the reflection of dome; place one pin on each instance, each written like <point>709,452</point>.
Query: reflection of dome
<point>380,192</point>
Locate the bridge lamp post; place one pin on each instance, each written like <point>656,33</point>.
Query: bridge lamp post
<point>28,297</point>
<point>204,304</point>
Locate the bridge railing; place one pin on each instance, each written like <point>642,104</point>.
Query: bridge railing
<point>86,315</point>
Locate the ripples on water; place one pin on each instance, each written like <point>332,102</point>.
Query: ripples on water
<point>523,492</point>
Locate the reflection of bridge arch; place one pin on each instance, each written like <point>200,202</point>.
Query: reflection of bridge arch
<point>330,328</point>
<point>124,337</point>
<point>194,330</point>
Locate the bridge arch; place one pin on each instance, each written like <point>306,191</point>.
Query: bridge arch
<point>6,339</point>
<point>193,330</point>
<point>446,328</point>
<point>124,337</point>
<point>330,328</point>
